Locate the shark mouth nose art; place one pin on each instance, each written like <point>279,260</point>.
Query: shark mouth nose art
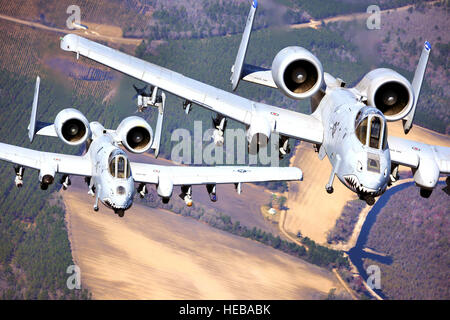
<point>352,182</point>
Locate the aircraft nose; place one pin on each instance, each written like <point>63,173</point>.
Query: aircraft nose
<point>121,190</point>
<point>378,185</point>
<point>122,204</point>
<point>362,183</point>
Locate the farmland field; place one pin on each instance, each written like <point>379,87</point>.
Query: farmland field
<point>153,254</point>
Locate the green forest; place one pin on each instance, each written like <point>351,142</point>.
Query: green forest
<point>210,60</point>
<point>32,230</point>
<point>414,232</point>
<point>330,8</point>
<point>34,246</point>
<point>219,17</point>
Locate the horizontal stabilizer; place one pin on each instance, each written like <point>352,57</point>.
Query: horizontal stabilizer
<point>239,63</point>
<point>258,75</point>
<point>46,129</point>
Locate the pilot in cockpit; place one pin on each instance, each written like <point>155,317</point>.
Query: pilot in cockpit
<point>119,166</point>
<point>371,129</point>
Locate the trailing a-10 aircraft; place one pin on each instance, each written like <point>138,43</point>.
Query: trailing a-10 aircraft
<point>347,125</point>
<point>110,175</point>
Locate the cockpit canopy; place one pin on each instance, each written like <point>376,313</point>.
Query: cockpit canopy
<point>119,166</point>
<point>371,129</point>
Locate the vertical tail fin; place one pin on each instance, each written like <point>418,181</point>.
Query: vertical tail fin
<point>239,63</point>
<point>32,125</point>
<point>417,84</point>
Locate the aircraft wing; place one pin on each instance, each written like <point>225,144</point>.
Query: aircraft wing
<point>179,175</point>
<point>285,122</point>
<point>409,153</point>
<point>60,163</point>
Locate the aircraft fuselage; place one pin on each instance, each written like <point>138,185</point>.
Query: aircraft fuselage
<point>111,176</point>
<point>355,142</point>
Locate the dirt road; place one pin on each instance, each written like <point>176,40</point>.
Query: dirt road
<point>86,33</point>
<point>349,17</point>
<point>101,33</point>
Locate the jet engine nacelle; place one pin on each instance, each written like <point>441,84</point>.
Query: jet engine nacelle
<point>72,127</point>
<point>135,134</point>
<point>258,133</point>
<point>426,176</point>
<point>389,92</point>
<point>297,72</point>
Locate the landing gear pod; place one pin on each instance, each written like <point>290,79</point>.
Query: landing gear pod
<point>258,134</point>
<point>165,189</point>
<point>46,177</point>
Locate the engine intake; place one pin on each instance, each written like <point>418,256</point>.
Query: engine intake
<point>389,92</point>
<point>297,72</point>
<point>72,127</point>
<point>135,134</point>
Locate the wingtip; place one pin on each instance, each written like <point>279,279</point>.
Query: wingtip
<point>299,173</point>
<point>301,176</point>
<point>255,4</point>
<point>69,42</point>
<point>427,45</point>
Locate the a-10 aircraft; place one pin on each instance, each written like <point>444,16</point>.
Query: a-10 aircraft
<point>111,176</point>
<point>347,125</point>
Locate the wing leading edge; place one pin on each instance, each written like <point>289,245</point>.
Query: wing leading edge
<point>60,163</point>
<point>148,173</point>
<point>410,154</point>
<point>286,122</point>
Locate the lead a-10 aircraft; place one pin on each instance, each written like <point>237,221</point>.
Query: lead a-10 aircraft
<point>109,173</point>
<point>348,125</point>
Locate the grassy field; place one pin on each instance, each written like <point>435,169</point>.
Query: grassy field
<point>244,208</point>
<point>315,221</point>
<point>28,217</point>
<point>141,255</point>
